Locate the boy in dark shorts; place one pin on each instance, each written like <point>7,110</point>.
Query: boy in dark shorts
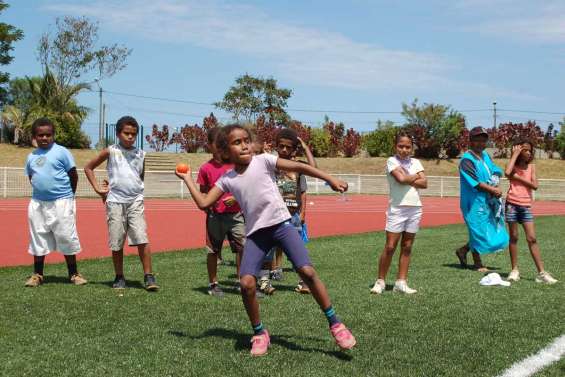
<point>224,219</point>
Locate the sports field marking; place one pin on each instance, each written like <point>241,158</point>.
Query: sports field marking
<point>530,365</point>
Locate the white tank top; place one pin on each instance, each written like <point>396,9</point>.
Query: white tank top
<point>125,167</point>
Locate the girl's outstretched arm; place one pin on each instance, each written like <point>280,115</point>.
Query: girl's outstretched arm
<point>203,201</point>
<point>289,165</point>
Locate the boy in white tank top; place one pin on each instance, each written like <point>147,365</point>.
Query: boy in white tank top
<point>123,196</point>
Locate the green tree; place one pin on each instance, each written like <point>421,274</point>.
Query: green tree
<point>35,97</point>
<point>8,36</point>
<point>252,96</point>
<point>71,53</point>
<point>380,142</point>
<point>436,128</point>
<point>320,142</point>
<point>559,142</point>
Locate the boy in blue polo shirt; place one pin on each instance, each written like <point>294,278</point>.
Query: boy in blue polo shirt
<point>51,212</point>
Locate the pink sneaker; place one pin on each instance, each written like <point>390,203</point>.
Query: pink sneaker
<point>260,344</point>
<point>343,337</point>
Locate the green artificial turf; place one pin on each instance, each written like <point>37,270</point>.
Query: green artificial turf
<point>451,327</point>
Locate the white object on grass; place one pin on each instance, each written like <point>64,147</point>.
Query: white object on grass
<point>493,279</point>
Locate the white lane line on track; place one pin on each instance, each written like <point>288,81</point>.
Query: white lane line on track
<point>532,364</point>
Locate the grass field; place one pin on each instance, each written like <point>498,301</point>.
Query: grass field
<point>14,156</point>
<point>452,327</point>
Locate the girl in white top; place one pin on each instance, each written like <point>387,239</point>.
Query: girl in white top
<point>405,176</point>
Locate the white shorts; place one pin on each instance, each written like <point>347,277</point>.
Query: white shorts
<point>52,226</point>
<point>403,219</point>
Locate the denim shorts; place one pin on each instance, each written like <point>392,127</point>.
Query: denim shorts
<point>518,214</point>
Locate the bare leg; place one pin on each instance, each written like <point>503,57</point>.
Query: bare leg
<point>278,258</point>
<point>533,244</point>
<point>513,245</point>
<point>238,257</point>
<point>405,251</point>
<point>212,266</point>
<point>478,262</point>
<point>248,290</point>
<point>118,260</point>
<point>386,256</point>
<point>318,289</point>
<point>145,256</point>
<point>461,254</point>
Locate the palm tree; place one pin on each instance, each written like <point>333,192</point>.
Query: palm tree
<point>48,98</point>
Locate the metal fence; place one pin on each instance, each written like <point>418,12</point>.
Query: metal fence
<point>164,184</point>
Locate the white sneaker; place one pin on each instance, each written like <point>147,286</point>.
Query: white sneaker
<point>546,278</point>
<point>514,275</point>
<point>402,287</point>
<point>379,287</point>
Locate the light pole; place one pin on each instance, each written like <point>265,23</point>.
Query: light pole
<point>494,114</point>
<point>176,141</point>
<point>100,113</point>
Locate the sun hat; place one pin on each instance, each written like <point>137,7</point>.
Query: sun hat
<point>493,279</point>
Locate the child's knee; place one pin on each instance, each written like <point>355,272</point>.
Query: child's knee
<point>389,249</point>
<point>531,239</point>
<point>308,274</point>
<point>406,249</point>
<point>513,238</point>
<point>247,283</point>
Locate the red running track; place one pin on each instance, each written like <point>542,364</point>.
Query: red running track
<point>178,224</point>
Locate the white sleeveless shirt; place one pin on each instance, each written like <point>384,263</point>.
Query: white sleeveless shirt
<point>125,167</point>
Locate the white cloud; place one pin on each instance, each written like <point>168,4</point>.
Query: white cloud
<point>521,20</point>
<point>297,53</point>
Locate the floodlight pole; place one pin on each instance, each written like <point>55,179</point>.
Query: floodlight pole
<point>494,114</point>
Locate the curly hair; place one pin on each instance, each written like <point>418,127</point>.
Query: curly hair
<point>289,134</point>
<point>40,122</point>
<point>126,120</point>
<point>222,138</point>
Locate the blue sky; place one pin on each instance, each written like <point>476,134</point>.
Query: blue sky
<point>358,56</point>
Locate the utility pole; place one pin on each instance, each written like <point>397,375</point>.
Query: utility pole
<point>100,113</point>
<point>103,115</point>
<point>494,114</point>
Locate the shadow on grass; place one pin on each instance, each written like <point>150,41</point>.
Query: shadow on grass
<point>242,341</point>
<point>226,285</point>
<point>56,280</point>
<point>469,267</point>
<point>129,284</point>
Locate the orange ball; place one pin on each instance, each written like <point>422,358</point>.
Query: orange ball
<point>182,168</point>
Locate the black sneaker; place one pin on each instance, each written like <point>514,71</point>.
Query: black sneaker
<point>119,283</point>
<point>150,283</point>
<point>215,290</point>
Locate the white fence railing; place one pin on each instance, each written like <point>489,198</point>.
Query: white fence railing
<point>164,184</point>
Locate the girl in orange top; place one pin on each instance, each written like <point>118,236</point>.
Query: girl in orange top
<point>521,173</point>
